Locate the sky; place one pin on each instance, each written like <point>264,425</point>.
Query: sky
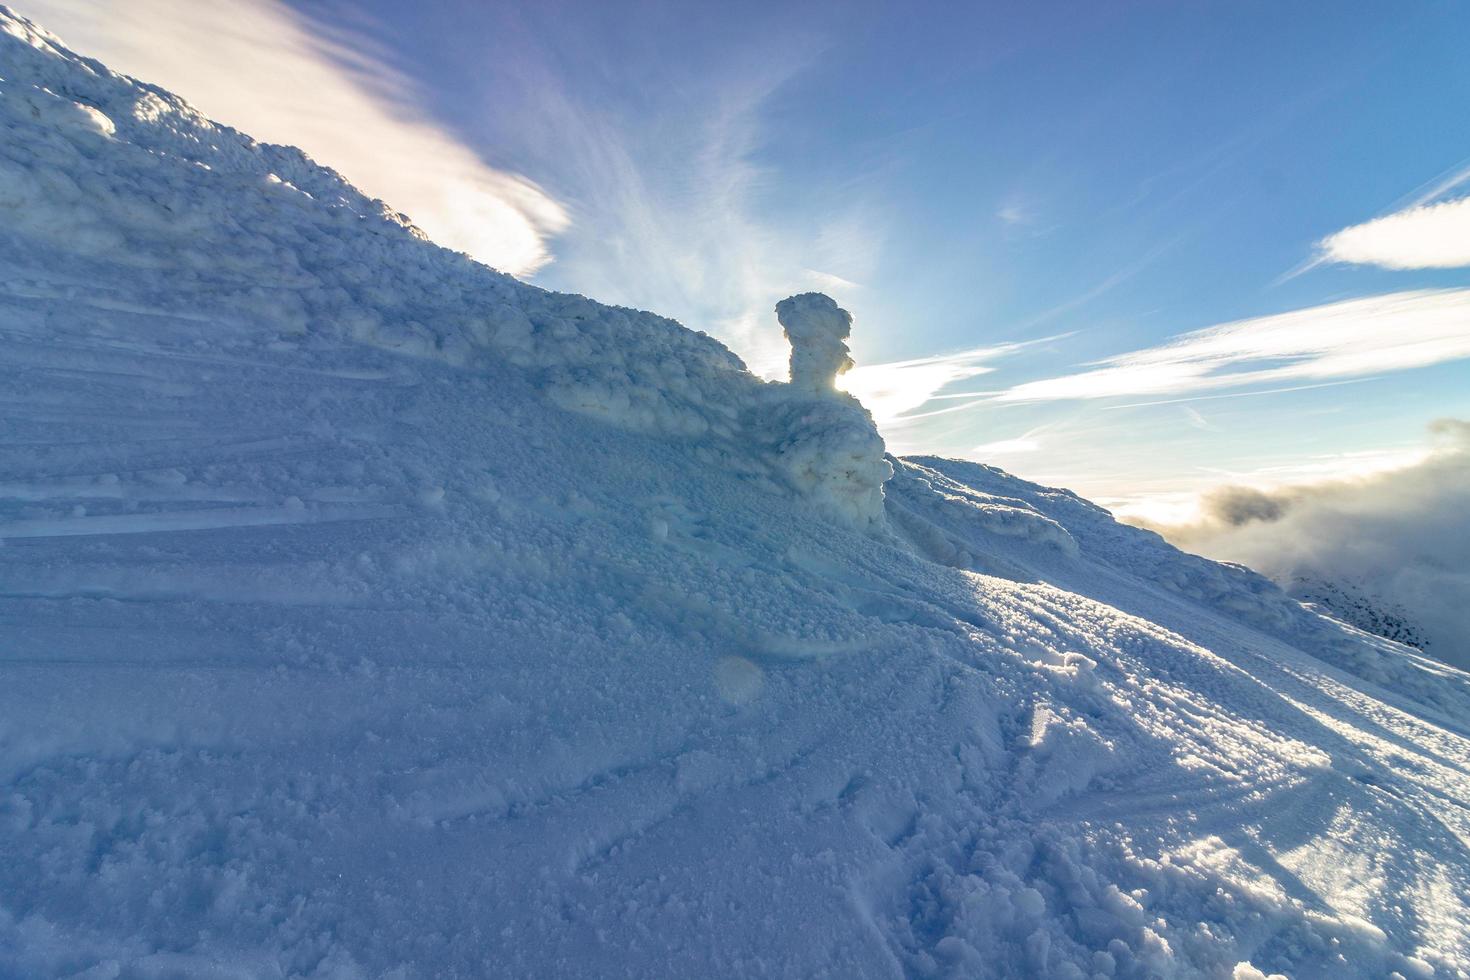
<point>1141,250</point>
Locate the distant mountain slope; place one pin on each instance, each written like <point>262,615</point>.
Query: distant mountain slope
<point>1355,605</point>
<point>365,612</point>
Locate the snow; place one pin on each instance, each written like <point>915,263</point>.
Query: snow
<point>365,612</point>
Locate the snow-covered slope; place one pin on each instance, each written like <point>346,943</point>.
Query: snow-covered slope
<point>1355,603</point>
<point>364,612</point>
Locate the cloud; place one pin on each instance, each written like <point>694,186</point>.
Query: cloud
<point>1007,447</point>
<point>1354,338</point>
<point>1420,232</point>
<point>666,169</point>
<point>1394,543</point>
<point>1014,214</point>
<point>1195,419</point>
<point>674,226</point>
<point>1430,236</point>
<point>257,66</point>
<point>893,390</point>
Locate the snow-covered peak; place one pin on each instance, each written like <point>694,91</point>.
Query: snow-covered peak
<point>365,612</point>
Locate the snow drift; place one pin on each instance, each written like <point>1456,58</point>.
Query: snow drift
<point>365,612</point>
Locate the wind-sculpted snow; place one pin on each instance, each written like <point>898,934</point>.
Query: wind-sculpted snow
<point>364,613</point>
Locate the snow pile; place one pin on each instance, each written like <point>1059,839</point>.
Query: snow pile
<point>364,612</point>
<point>828,448</point>
<point>1017,517</point>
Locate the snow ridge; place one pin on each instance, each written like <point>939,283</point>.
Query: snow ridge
<point>1353,603</point>
<point>258,237</point>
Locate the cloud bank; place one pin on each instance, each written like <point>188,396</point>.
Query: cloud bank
<point>1395,543</point>
<point>257,66</point>
<point>1354,338</point>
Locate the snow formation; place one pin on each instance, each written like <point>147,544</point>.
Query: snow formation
<point>817,329</point>
<point>367,613</point>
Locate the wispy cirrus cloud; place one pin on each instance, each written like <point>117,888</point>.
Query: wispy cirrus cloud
<point>1027,443</point>
<point>891,391</point>
<point>1423,231</point>
<point>260,67</point>
<point>665,176</point>
<point>1430,236</point>
<point>1354,338</point>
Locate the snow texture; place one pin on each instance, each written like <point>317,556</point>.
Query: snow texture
<point>367,613</point>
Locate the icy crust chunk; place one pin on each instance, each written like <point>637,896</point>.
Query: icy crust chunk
<point>107,176</point>
<point>823,441</point>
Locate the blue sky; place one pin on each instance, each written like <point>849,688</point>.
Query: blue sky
<point>1033,201</point>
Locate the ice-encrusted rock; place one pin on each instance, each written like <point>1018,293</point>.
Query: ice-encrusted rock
<point>824,441</point>
<point>817,329</point>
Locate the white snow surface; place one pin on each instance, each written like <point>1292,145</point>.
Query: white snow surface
<point>367,613</point>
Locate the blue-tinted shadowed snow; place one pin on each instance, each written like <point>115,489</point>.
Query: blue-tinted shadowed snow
<point>364,612</point>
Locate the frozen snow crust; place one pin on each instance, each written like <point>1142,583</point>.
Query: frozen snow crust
<point>364,612</point>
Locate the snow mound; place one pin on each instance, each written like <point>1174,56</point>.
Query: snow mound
<point>824,440</point>
<point>365,612</point>
<point>923,501</point>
